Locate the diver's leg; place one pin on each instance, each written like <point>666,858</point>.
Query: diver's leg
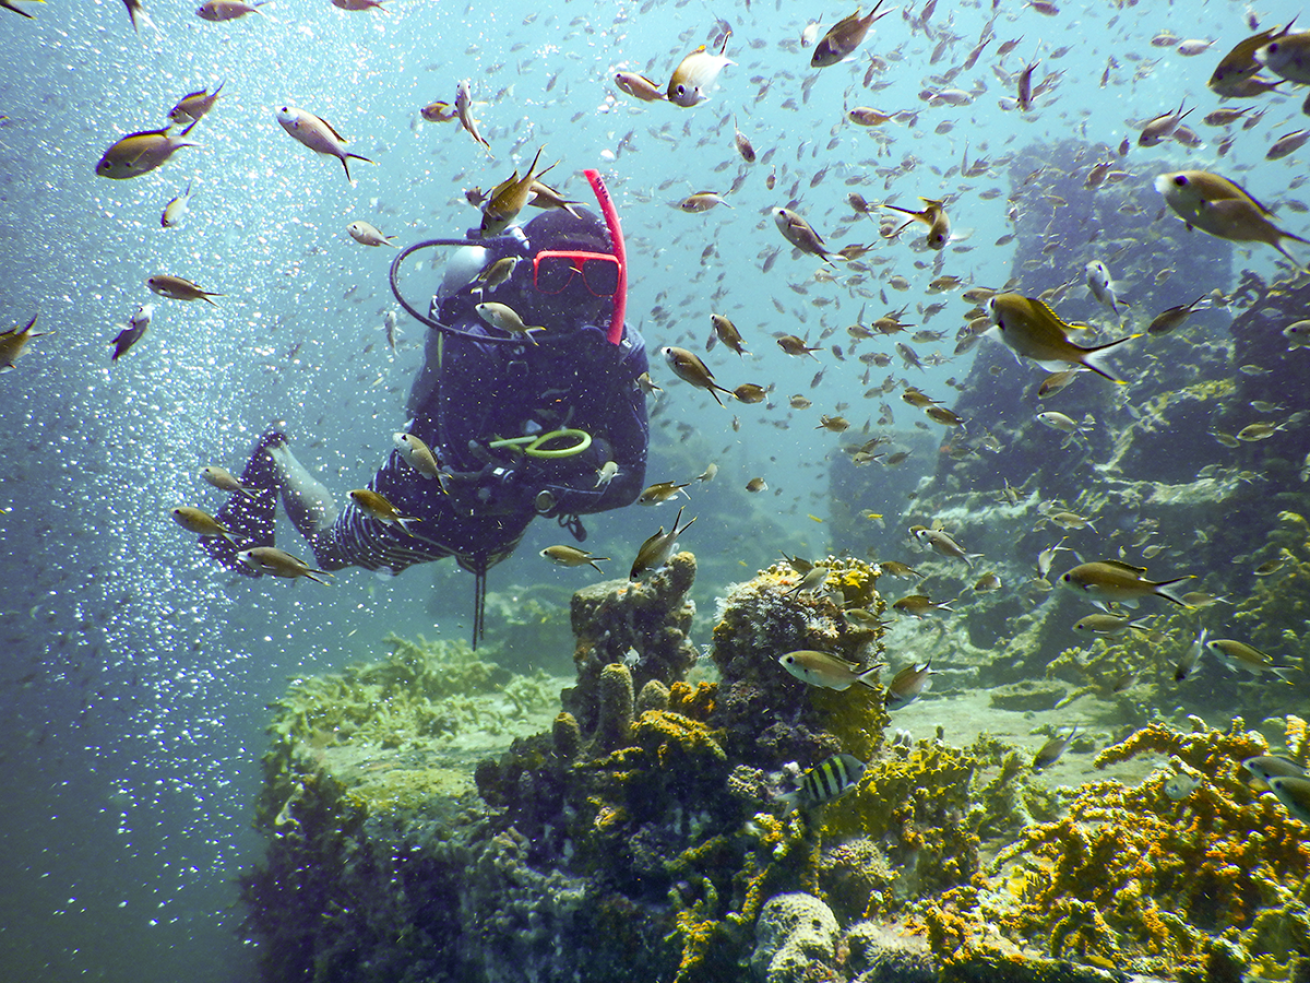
<point>249,517</point>
<point>308,503</point>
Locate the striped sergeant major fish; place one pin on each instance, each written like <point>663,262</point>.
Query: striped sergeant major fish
<point>827,781</point>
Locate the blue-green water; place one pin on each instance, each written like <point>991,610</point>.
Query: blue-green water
<point>135,672</point>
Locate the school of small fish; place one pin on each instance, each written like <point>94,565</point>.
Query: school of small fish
<point>906,217</point>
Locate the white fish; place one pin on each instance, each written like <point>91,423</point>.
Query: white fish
<point>696,74</point>
<point>417,454</point>
<point>176,209</point>
<point>1101,286</point>
<point>317,134</point>
<point>369,235</point>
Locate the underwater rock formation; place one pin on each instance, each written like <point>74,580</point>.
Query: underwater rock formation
<point>647,841</point>
<point>794,930</point>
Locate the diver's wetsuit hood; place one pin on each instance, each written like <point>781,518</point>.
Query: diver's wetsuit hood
<point>452,309</point>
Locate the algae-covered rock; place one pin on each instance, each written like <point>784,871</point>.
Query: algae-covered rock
<point>793,932</point>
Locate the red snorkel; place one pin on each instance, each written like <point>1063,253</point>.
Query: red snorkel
<point>616,237</point>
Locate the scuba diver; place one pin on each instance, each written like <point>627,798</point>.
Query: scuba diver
<point>520,424</point>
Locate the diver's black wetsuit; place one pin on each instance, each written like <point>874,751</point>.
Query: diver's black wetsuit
<point>483,392</point>
<point>468,394</point>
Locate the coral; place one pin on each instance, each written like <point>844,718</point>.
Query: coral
<point>855,878</point>
<point>771,717</point>
<point>1131,878</point>
<point>641,624</point>
<point>793,931</point>
<point>872,950</point>
<point>614,702</point>
<point>914,800</point>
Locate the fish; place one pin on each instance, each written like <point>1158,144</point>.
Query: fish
<point>647,385</point>
<point>571,556</point>
<point>662,491</point>
<point>439,111</point>
<point>389,321</point>
<point>367,235</point>
<point>1180,785</point>
<point>1024,94</point>
<point>1287,144</point>
<point>8,5</point>
<point>727,333</point>
<point>280,563</point>
<point>709,474</point>
<point>359,5</point>
<point>133,8</point>
<point>844,37</point>
<point>800,234</point>
<point>742,142</point>
<point>757,485</point>
<point>863,619</point>
<point>828,671</point>
<point>1267,766</point>
<point>826,782</point>
<point>658,548</point>
<point>943,545</point>
<point>701,201</point>
<point>201,523</point>
<point>1161,128</point>
<point>639,87</point>
<point>1237,655</point>
<point>224,480</point>
<point>194,105</point>
<point>217,11</point>
<point>688,367</point>
<point>793,345</point>
<point>130,335</point>
<point>1172,317</point>
<point>1223,209</point>
<point>497,273</point>
<point>1032,330</point>
<point>1297,334</point>
<point>179,288</point>
<point>606,473</point>
<point>934,216</point>
<point>813,580</point>
<point>1101,286</point>
<point>464,110</point>
<point>376,506</point>
<point>696,75</point>
<point>749,392</point>
<point>1294,794</point>
<point>318,135</point>
<point>894,568</point>
<point>918,605</point>
<point>141,152</point>
<point>1107,625</point>
<point>908,685</point>
<point>417,454</point>
<point>1052,750</point>
<point>14,342</point>
<point>1113,580</point>
<point>1286,55</point>
<point>1186,665</point>
<point>176,209</point>
<point>988,583</point>
<point>1239,65</point>
<point>507,319</point>
<point>509,198</point>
